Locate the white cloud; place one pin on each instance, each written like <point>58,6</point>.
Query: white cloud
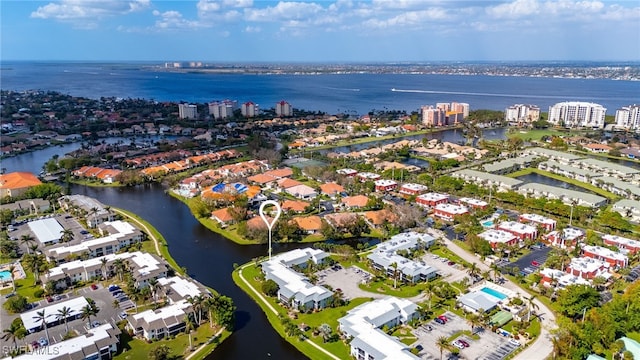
<point>252,29</point>
<point>88,9</point>
<point>173,20</point>
<point>514,10</point>
<point>284,11</point>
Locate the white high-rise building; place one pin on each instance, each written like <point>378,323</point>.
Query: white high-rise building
<point>283,108</point>
<point>520,113</point>
<point>628,117</point>
<point>461,108</point>
<point>188,111</point>
<point>222,109</point>
<point>577,114</point>
<point>249,109</point>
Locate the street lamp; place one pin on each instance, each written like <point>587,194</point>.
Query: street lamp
<point>273,221</point>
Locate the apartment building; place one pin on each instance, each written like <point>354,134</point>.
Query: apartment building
<point>577,114</point>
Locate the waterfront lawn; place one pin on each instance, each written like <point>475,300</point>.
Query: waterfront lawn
<point>581,184</point>
<point>536,134</point>
<point>133,348</point>
<point>149,245</point>
<point>251,273</point>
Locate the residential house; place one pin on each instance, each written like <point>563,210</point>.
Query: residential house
<point>294,206</point>
<point>302,191</point>
<point>449,211</point>
<point>17,183</point>
<point>331,189</point>
<point>341,220</point>
<point>354,202</point>
<point>501,183</point>
<point>622,243</point>
<point>413,189</point>
<point>473,203</point>
<point>363,324</point>
<point>569,238</point>
<point>160,323</point>
<point>546,223</point>
<point>588,268</point>
<point>377,219</point>
<point>616,259</point>
<point>496,237</point>
<point>384,185</point>
<point>522,231</point>
<point>222,216</point>
<point>309,224</point>
<point>432,199</point>
<point>598,148</point>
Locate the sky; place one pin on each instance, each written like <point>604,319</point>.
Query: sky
<point>320,31</point>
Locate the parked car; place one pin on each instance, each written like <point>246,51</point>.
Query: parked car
<point>114,288</point>
<point>43,342</point>
<point>439,321</point>
<point>463,342</point>
<point>11,294</point>
<point>95,324</point>
<point>123,315</point>
<point>451,263</point>
<point>49,299</point>
<point>428,327</point>
<point>458,344</point>
<point>514,342</point>
<point>94,287</point>
<point>443,318</point>
<point>35,345</point>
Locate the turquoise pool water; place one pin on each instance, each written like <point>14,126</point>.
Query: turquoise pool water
<point>5,275</point>
<point>495,293</point>
<point>488,223</point>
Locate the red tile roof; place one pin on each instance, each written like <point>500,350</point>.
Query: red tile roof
<point>18,180</point>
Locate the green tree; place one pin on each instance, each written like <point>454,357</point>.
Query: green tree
<point>575,299</point>
<point>160,352</point>
<point>224,311</point>
<point>270,287</point>
<point>443,344</point>
<point>41,317</point>
<point>63,314</point>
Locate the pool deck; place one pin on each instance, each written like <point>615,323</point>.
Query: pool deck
<point>488,284</point>
<point>18,273</point>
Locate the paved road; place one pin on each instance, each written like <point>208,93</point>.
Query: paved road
<point>542,347</point>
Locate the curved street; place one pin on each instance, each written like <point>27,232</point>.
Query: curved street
<point>542,347</point>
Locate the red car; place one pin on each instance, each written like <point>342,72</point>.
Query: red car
<point>535,263</point>
<point>464,343</point>
<point>94,287</point>
<point>49,299</point>
<point>443,318</point>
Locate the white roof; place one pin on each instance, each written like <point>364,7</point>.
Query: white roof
<point>497,236</point>
<point>452,208</point>
<point>415,187</point>
<point>433,196</point>
<point>621,240</point>
<point>46,230</point>
<point>51,311</point>
<point>124,229</point>
<point>604,252</point>
<point>587,264</point>
<point>175,310</point>
<point>385,182</point>
<point>181,286</point>
<point>368,175</point>
<point>517,227</point>
<point>74,345</point>
<point>300,256</point>
<point>145,263</point>
<point>472,201</point>
<point>569,233</point>
<point>538,219</point>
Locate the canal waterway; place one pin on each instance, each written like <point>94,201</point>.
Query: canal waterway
<point>209,258</point>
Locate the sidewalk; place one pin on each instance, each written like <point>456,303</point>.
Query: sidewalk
<point>542,347</point>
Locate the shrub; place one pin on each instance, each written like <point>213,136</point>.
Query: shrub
<point>38,293</point>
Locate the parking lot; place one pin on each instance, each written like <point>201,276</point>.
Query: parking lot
<point>347,280</point>
<point>103,299</point>
<point>490,346</point>
<point>530,262</point>
<point>66,221</point>
<point>451,273</point>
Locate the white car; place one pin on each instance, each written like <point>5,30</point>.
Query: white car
<point>514,342</point>
<point>458,345</point>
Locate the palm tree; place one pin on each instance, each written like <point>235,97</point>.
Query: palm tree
<point>94,211</point>
<point>395,274</point>
<point>63,314</point>
<point>27,239</point>
<point>118,264</point>
<point>496,271</point>
<point>154,286</point>
<point>103,267</point>
<point>473,270</point>
<point>66,235</point>
<point>428,290</point>
<point>190,326</point>
<point>12,268</point>
<point>443,344</point>
<point>473,320</point>
<point>11,334</point>
<point>532,305</point>
<point>42,317</point>
<point>87,312</point>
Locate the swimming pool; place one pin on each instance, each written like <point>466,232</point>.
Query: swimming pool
<point>488,223</point>
<point>494,293</point>
<point>5,275</point>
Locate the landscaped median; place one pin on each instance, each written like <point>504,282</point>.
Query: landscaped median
<point>246,277</point>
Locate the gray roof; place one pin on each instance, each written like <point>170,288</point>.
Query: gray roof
<point>626,170</point>
<point>508,163</point>
<point>570,169</point>
<point>552,153</point>
<point>621,184</point>
<point>474,174</point>
<point>627,204</point>
<point>562,193</point>
<point>478,300</point>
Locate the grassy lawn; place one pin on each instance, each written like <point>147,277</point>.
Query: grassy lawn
<point>386,287</point>
<point>581,184</point>
<point>329,316</point>
<point>536,134</point>
<point>446,253</point>
<point>26,288</point>
<point>134,349</point>
<point>150,246</point>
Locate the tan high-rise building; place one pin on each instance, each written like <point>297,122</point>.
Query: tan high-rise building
<point>249,109</point>
<point>284,109</point>
<point>187,111</point>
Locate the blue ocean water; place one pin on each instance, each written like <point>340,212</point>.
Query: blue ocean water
<point>332,93</point>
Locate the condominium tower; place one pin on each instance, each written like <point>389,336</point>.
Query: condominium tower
<point>577,114</point>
